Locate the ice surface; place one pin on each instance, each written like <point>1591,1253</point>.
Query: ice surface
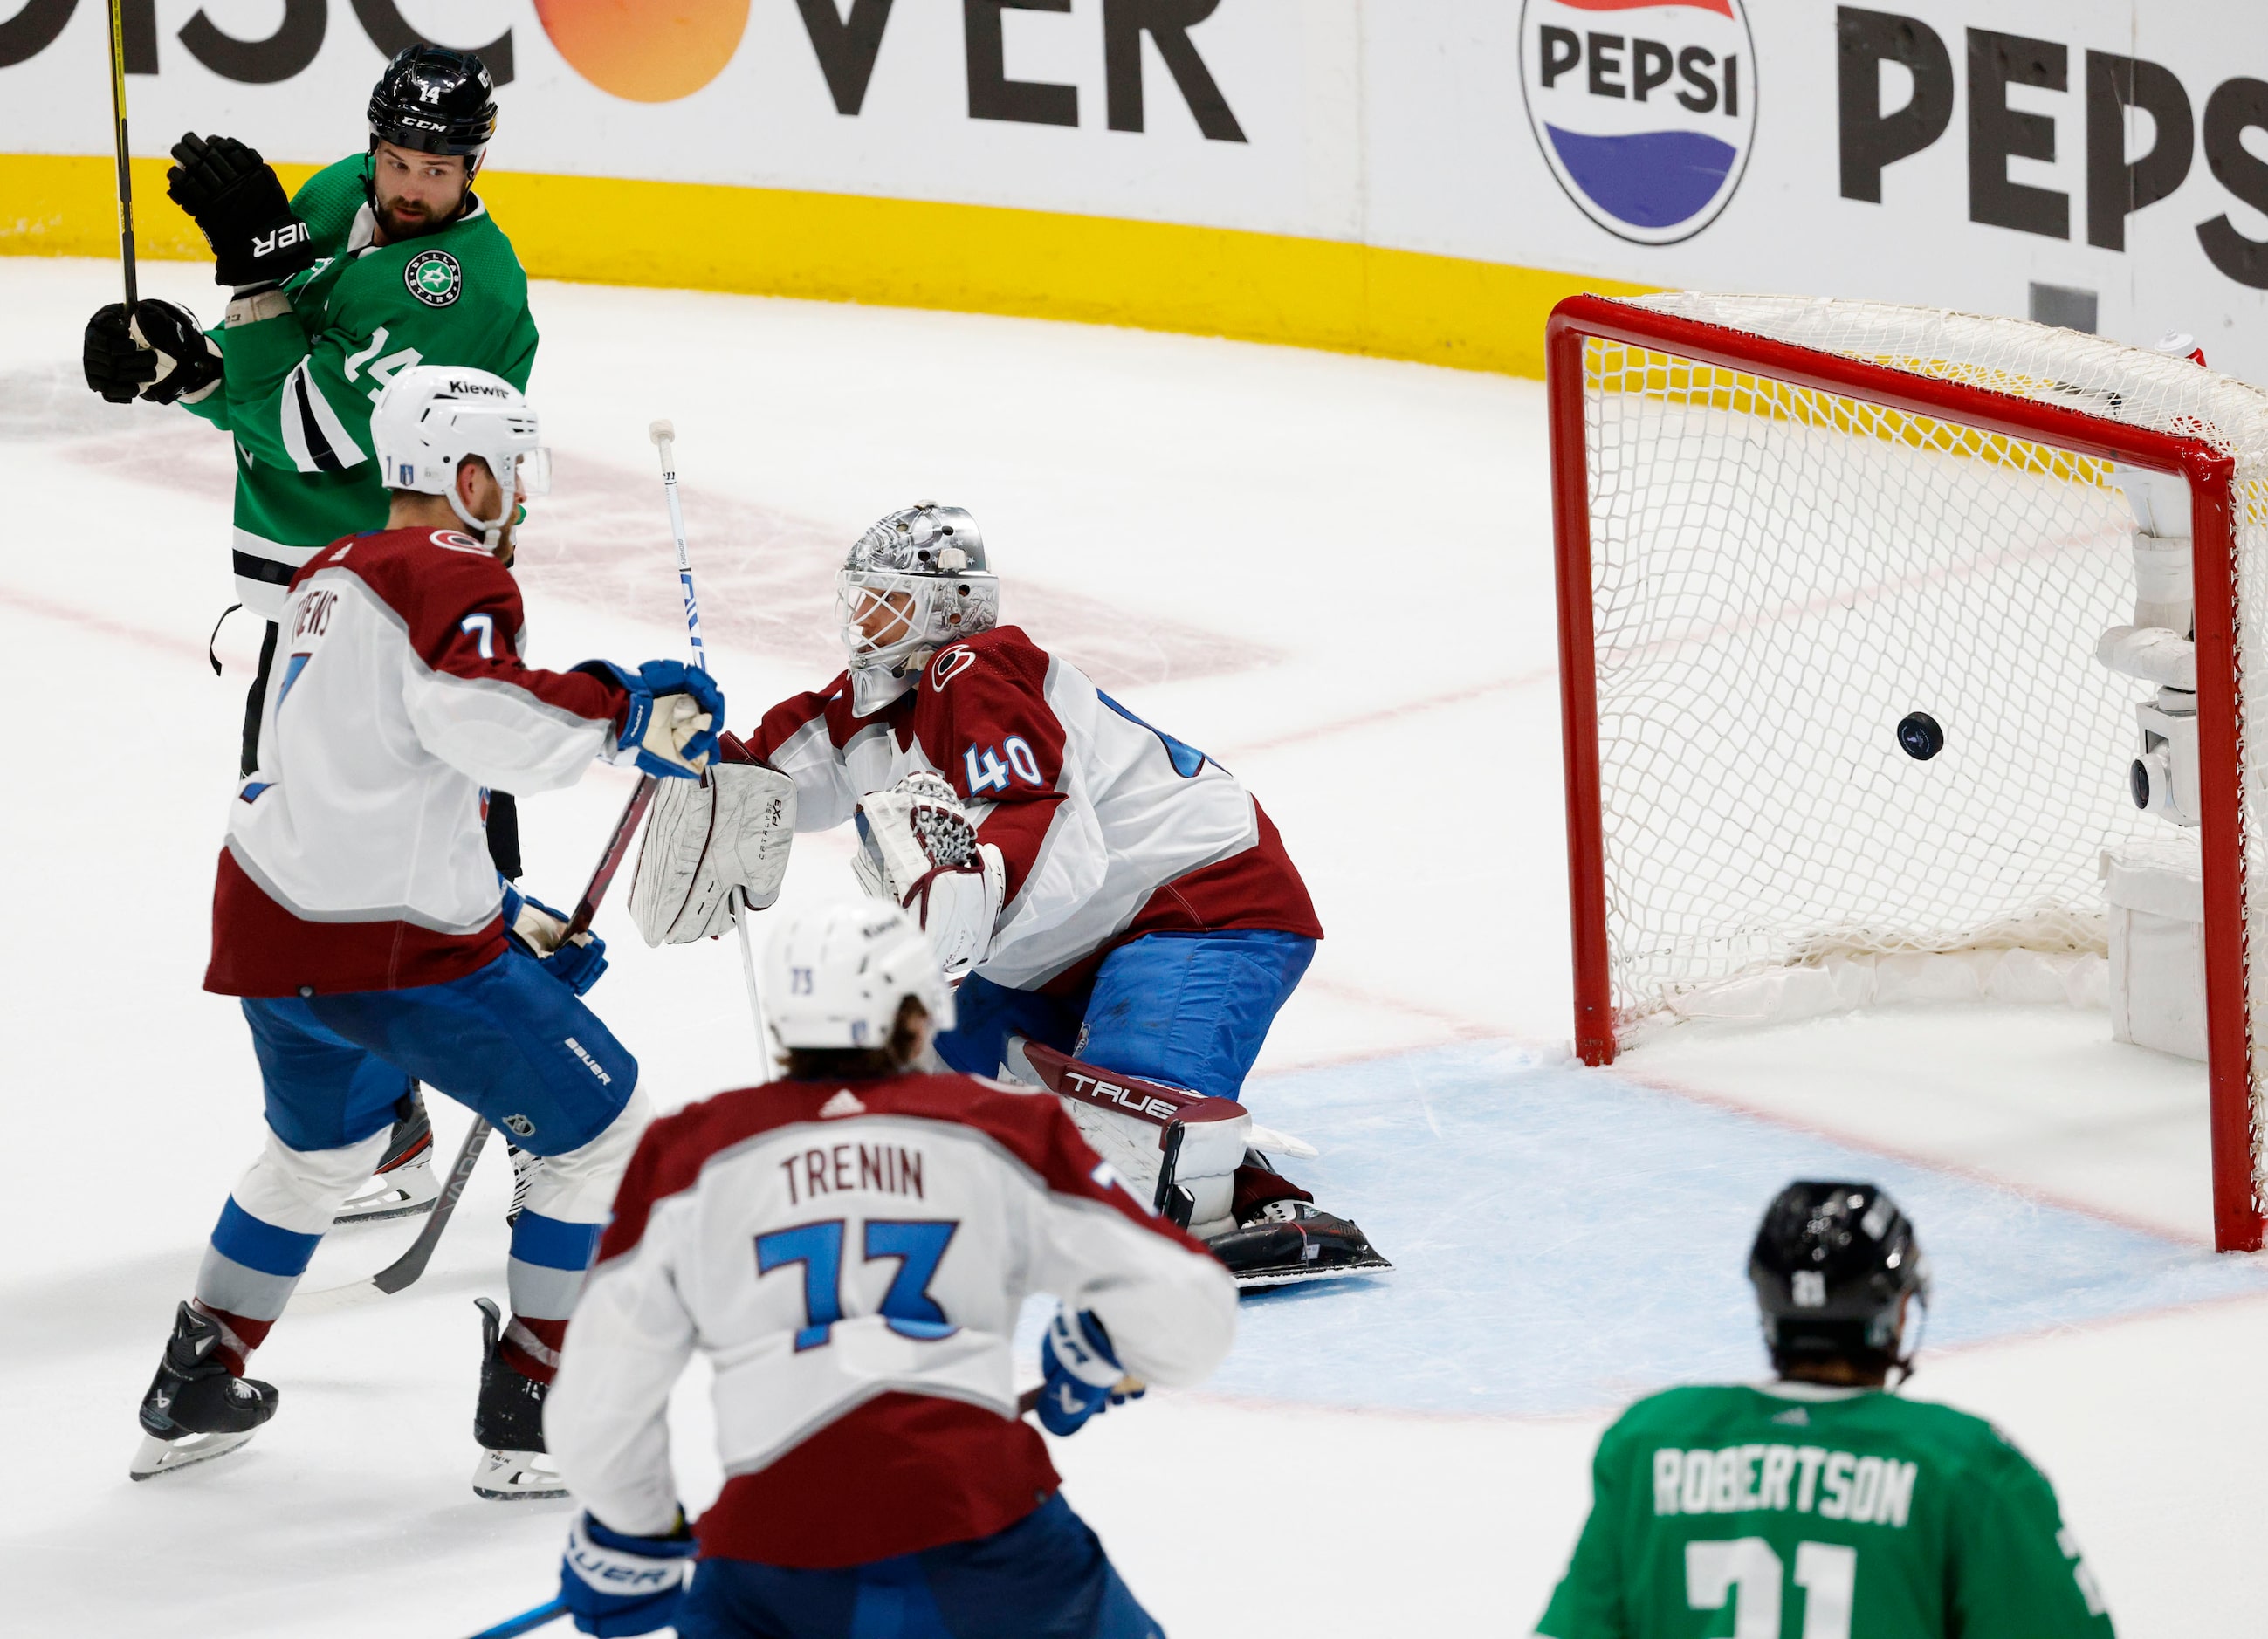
<point>1333,574</point>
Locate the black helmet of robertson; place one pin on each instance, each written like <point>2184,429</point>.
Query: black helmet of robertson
<point>1833,1264</point>
<point>437,101</point>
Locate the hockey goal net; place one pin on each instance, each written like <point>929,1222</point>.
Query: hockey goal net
<point>1788,527</point>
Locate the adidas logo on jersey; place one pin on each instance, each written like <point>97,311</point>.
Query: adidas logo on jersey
<point>843,1103</point>
<point>1794,1417</point>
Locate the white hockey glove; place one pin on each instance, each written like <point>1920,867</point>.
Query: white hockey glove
<point>918,849</point>
<point>708,844</point>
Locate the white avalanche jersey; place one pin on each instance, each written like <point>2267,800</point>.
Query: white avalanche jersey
<point>1110,829</point>
<point>852,1257</point>
<point>356,858</point>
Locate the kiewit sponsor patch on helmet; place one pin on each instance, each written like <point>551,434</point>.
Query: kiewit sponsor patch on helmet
<point>434,277</point>
<point>1645,110</point>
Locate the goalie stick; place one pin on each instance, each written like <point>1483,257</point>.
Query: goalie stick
<point>664,434</point>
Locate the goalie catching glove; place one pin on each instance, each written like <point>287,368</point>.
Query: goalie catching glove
<point>918,848</point>
<point>706,844</point>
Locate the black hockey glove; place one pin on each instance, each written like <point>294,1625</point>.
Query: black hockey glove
<point>117,366</point>
<point>188,361</point>
<point>235,199</point>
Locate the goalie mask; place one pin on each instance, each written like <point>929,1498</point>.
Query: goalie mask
<point>431,416</point>
<point>914,581</point>
<point>1833,1266</point>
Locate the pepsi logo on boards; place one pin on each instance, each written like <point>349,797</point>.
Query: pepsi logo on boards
<point>1645,110</point>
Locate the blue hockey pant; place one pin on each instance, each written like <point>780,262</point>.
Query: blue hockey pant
<point>1044,1578</point>
<point>1189,1009</point>
<point>509,1040</point>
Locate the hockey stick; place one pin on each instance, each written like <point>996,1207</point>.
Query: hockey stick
<point>125,174</point>
<point>664,434</point>
<point>410,1264</point>
<point>618,846</point>
<point>527,1623</point>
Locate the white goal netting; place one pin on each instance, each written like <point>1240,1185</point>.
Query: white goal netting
<point>1781,575</point>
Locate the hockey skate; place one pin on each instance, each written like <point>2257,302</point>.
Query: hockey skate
<point>508,1423</point>
<point>1289,1241</point>
<point>403,1185</point>
<point>196,1408</point>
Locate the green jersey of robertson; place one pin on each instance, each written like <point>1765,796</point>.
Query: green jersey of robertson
<point>1802,1512</point>
<point>302,367</point>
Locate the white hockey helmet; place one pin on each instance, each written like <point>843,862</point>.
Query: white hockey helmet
<point>915,581</point>
<point>835,976</point>
<point>431,416</point>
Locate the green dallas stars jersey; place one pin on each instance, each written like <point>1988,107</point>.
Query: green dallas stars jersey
<point>302,369</point>
<point>1798,1512</point>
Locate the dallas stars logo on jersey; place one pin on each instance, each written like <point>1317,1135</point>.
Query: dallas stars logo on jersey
<point>434,277</point>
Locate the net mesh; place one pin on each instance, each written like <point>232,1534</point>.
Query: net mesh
<point>1781,575</point>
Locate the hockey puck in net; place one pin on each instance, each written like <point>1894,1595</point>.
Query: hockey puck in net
<point>1920,737</point>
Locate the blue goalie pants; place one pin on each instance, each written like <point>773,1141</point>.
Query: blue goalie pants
<point>1189,1009</point>
<point>1044,1578</point>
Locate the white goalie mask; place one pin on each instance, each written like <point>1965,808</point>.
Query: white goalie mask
<point>836,976</point>
<point>913,582</point>
<point>431,416</point>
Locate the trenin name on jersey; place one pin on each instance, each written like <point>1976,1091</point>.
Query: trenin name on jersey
<point>893,1169</point>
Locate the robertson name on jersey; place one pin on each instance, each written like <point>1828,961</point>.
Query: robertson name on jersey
<point>1834,1513</point>
<point>302,367</point>
<point>356,857</point>
<point>853,1257</point>
<point>1109,828</point>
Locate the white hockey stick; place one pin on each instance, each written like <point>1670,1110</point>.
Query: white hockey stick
<point>664,434</point>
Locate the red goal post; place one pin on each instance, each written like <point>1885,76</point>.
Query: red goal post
<point>1900,361</point>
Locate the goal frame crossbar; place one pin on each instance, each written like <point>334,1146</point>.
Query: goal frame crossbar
<point>2238,1221</point>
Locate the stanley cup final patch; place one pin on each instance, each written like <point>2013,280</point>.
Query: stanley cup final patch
<point>434,277</point>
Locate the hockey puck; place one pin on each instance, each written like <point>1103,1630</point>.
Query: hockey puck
<point>1920,737</point>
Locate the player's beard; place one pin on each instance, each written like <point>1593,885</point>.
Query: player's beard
<point>409,219</point>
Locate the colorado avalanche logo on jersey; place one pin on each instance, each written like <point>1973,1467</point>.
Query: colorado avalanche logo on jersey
<point>951,664</point>
<point>1645,110</point>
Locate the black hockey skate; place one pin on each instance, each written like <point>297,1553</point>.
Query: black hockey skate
<point>1289,1241</point>
<point>508,1423</point>
<point>196,1408</point>
<point>403,1185</point>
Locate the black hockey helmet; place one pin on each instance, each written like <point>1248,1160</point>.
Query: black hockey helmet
<point>1833,1265</point>
<point>437,101</point>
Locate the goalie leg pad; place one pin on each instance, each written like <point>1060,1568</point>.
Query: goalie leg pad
<point>1128,1120</point>
<point>708,844</point>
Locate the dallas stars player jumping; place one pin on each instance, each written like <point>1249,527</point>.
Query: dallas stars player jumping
<point>1820,1504</point>
<point>382,261</point>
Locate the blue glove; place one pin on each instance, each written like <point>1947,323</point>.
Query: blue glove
<point>614,1584</point>
<point>1079,1375</point>
<point>541,931</point>
<point>648,734</point>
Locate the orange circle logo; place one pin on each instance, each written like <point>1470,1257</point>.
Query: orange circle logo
<point>642,51</point>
